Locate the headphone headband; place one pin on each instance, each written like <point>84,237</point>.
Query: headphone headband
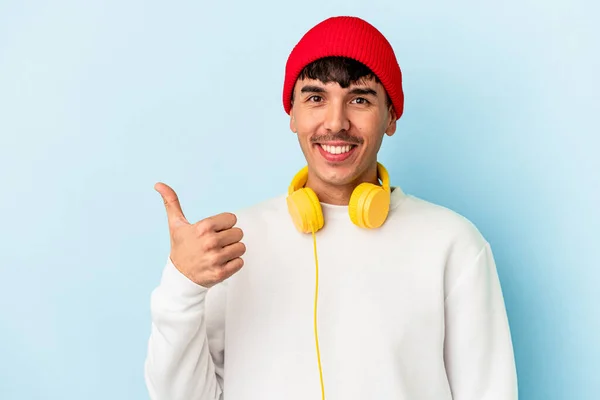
<point>299,180</point>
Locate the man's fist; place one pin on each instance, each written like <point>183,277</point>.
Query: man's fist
<point>207,252</point>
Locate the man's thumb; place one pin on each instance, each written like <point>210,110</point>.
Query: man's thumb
<point>171,201</point>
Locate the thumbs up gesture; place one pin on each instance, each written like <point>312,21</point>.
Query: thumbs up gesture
<point>206,252</point>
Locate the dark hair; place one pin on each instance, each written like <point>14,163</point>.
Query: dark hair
<point>345,71</point>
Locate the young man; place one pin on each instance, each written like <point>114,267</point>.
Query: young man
<point>344,287</point>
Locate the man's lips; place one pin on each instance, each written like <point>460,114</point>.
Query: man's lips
<point>336,151</point>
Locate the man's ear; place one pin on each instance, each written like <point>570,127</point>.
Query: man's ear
<point>391,126</point>
<point>292,120</point>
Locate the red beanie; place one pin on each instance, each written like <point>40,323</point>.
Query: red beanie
<point>349,37</point>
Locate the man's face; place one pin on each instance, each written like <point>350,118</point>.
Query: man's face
<point>340,130</point>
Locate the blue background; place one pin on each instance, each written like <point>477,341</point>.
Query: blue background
<point>100,100</point>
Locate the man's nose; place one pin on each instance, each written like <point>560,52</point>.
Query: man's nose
<point>336,118</point>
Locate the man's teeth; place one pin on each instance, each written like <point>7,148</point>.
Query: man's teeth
<point>336,149</point>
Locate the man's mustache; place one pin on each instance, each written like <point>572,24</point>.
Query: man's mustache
<point>342,136</point>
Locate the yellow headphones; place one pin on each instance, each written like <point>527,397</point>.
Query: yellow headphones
<point>368,207</point>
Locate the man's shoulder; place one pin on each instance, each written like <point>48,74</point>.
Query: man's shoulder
<point>435,220</point>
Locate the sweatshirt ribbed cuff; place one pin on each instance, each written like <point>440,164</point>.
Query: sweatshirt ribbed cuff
<point>175,282</point>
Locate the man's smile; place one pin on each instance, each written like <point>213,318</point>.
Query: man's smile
<point>335,151</point>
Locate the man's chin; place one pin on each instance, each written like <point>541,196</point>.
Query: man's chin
<point>336,175</point>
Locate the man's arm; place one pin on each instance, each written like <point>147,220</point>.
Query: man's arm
<point>185,349</point>
<point>478,346</point>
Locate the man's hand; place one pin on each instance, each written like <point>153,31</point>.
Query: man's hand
<point>207,252</point>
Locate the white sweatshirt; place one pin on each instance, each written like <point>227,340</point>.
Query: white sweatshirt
<point>413,310</point>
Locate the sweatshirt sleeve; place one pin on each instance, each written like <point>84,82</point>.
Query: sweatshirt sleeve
<point>185,350</point>
<point>478,348</point>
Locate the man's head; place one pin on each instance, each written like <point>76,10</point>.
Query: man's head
<point>343,91</point>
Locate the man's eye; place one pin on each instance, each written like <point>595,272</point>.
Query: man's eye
<point>361,100</point>
<point>314,98</point>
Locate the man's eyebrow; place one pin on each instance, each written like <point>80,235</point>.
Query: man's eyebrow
<point>356,90</point>
<point>364,91</point>
<point>312,89</point>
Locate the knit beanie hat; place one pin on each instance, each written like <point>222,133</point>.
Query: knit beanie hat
<point>349,37</point>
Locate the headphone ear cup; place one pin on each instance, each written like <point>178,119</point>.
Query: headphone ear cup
<point>305,209</point>
<point>369,205</point>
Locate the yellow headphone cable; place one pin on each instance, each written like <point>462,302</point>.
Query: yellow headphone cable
<point>315,312</point>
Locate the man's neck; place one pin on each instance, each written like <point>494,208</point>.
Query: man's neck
<point>336,195</point>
